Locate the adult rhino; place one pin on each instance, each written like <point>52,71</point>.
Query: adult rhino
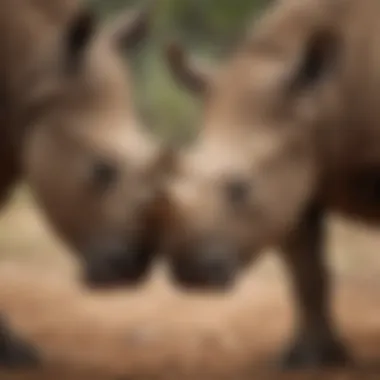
<point>290,131</point>
<point>68,126</point>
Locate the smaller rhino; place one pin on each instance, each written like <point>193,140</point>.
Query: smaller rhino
<point>290,131</point>
<point>72,132</point>
<point>69,127</point>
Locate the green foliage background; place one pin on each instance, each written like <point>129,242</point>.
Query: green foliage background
<point>207,28</point>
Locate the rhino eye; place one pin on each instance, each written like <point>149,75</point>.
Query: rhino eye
<point>237,192</point>
<point>104,175</point>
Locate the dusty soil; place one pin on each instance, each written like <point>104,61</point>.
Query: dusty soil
<point>157,331</point>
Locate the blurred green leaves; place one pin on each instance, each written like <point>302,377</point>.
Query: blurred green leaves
<point>206,27</point>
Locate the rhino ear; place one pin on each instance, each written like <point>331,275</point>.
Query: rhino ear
<point>319,60</point>
<point>131,27</point>
<point>78,36</point>
<point>193,76</point>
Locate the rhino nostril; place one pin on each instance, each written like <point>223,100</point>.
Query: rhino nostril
<point>119,258</point>
<point>214,266</point>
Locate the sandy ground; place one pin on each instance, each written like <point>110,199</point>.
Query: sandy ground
<point>159,332</point>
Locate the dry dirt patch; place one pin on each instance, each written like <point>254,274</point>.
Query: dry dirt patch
<point>157,330</point>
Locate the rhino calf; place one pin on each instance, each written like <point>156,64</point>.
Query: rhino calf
<point>290,131</point>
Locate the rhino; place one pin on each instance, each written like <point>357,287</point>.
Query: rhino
<point>290,131</point>
<point>70,129</point>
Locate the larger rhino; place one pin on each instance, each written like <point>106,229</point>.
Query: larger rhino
<point>290,131</point>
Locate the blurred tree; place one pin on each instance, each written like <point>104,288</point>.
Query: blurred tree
<point>208,27</point>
